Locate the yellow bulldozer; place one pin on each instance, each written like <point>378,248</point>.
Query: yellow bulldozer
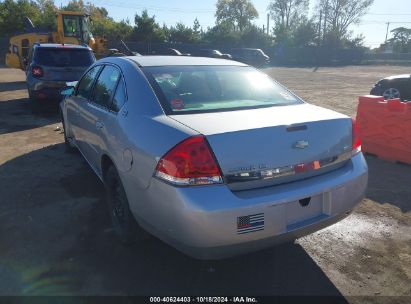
<point>72,28</point>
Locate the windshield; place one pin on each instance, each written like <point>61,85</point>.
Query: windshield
<point>72,26</point>
<point>196,89</point>
<point>62,57</point>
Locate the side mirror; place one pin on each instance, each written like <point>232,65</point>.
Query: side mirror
<point>67,91</point>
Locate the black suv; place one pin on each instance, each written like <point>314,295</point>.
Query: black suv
<point>50,66</point>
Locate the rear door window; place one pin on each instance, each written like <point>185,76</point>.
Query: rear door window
<point>86,83</point>
<point>106,85</point>
<point>64,57</point>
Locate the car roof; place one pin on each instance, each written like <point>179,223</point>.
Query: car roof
<point>146,61</point>
<point>58,45</point>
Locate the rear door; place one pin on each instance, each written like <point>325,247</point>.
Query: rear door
<point>97,117</point>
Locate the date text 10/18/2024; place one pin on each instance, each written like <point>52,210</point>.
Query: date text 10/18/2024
<point>203,300</point>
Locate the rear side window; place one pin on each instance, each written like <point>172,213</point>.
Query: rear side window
<point>105,86</point>
<point>86,83</point>
<point>63,57</point>
<point>120,96</point>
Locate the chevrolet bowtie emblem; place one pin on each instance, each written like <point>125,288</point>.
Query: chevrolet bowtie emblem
<point>301,144</point>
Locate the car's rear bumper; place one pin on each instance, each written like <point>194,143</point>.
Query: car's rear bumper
<point>203,221</point>
<point>46,90</point>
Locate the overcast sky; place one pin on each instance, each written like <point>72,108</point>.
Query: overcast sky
<point>373,26</point>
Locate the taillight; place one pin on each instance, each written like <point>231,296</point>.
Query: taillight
<point>37,71</point>
<point>356,138</point>
<point>191,162</point>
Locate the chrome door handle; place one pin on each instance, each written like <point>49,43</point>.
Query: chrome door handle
<point>99,125</point>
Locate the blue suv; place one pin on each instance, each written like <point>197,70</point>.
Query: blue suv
<point>50,66</point>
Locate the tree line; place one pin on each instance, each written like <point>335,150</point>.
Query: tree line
<point>400,41</point>
<point>291,24</point>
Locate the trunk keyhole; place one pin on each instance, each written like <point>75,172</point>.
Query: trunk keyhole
<point>305,201</point>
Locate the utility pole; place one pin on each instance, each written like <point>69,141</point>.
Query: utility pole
<point>386,34</point>
<point>268,24</point>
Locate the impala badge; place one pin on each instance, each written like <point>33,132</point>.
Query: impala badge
<point>301,144</point>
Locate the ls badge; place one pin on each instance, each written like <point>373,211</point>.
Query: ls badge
<point>301,144</point>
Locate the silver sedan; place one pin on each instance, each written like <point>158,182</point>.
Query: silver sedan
<point>210,155</point>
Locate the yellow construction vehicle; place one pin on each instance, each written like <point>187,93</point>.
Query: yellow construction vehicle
<point>72,28</point>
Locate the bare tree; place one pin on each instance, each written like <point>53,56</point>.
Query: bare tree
<point>237,12</point>
<point>287,13</point>
<point>340,14</point>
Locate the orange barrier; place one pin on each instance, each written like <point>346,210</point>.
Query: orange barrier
<point>385,127</point>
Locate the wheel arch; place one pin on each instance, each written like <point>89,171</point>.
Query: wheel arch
<point>105,163</point>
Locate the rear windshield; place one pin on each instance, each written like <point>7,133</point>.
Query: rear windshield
<point>63,57</point>
<point>196,89</point>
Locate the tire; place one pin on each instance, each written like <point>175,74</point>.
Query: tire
<point>34,104</point>
<point>122,220</point>
<point>68,146</point>
<point>391,93</point>
<point>31,98</point>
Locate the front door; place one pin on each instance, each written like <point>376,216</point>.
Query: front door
<point>76,104</point>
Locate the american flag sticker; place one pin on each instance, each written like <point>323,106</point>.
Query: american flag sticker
<point>250,223</point>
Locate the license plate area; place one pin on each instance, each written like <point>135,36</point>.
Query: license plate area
<point>304,209</point>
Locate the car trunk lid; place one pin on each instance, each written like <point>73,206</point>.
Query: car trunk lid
<point>263,147</point>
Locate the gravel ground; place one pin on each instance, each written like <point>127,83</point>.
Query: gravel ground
<point>56,238</point>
